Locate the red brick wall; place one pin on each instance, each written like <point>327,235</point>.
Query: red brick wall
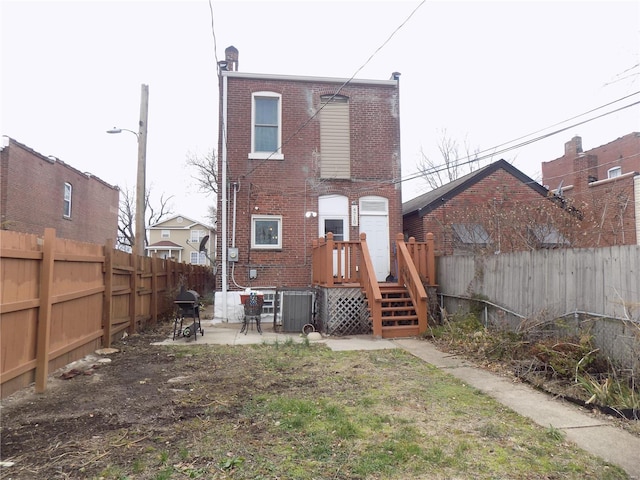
<point>623,152</point>
<point>607,204</point>
<point>291,187</point>
<point>505,207</point>
<point>33,193</point>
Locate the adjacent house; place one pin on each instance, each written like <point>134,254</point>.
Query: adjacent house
<point>38,192</point>
<point>183,240</point>
<point>494,209</point>
<point>603,183</point>
<point>299,158</point>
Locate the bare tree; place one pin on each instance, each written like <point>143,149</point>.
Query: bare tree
<point>206,171</point>
<point>452,165</point>
<point>127,215</point>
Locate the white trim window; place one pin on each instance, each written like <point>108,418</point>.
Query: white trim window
<point>266,232</point>
<point>165,234</point>
<point>68,190</point>
<point>614,172</point>
<point>266,126</point>
<point>198,258</point>
<point>197,235</point>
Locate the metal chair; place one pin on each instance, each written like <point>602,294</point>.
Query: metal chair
<point>252,312</point>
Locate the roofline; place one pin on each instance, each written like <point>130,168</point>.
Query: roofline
<point>473,179</point>
<point>53,160</point>
<point>302,78</point>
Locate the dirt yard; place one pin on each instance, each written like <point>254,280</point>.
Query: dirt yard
<point>151,411</point>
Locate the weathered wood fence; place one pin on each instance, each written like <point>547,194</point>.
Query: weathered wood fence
<point>601,284</point>
<point>61,299</point>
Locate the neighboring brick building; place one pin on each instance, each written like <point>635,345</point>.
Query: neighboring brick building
<point>494,209</point>
<point>603,183</point>
<point>300,157</point>
<point>39,192</point>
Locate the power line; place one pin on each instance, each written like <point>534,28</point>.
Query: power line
<point>317,112</point>
<point>440,168</point>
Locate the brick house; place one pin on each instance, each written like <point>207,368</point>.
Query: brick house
<point>39,192</point>
<point>180,238</point>
<point>494,209</point>
<point>300,157</point>
<point>603,183</point>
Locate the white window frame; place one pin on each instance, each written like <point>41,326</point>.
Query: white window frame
<point>199,257</point>
<point>199,235</point>
<point>165,233</point>
<point>614,172</point>
<point>270,246</point>
<point>255,155</point>
<point>67,197</point>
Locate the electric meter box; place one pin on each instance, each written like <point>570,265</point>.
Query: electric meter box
<point>233,254</point>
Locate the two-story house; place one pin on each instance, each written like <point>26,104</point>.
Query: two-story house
<point>300,157</point>
<point>38,192</point>
<point>604,183</point>
<point>182,239</point>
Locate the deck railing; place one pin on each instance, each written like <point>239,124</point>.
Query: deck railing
<point>340,263</point>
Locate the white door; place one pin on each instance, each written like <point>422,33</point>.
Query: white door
<point>374,221</point>
<point>333,216</point>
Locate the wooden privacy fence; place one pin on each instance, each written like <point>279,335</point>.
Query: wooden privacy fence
<point>61,299</point>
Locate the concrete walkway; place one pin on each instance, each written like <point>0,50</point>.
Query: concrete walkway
<point>592,434</point>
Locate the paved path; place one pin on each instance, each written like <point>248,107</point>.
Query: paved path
<point>592,434</point>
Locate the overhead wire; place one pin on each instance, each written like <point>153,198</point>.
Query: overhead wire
<point>347,82</point>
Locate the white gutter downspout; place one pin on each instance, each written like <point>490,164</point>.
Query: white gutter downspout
<point>636,196</point>
<point>225,286</point>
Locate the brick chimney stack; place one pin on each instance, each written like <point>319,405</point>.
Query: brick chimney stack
<point>573,147</point>
<point>231,57</point>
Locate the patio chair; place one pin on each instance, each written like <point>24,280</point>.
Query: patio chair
<point>252,312</point>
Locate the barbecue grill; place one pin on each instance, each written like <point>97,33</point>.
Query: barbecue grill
<point>187,310</point>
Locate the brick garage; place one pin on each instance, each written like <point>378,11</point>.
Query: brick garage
<point>510,207</point>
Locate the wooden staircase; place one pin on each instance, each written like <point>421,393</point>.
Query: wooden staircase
<point>399,317</point>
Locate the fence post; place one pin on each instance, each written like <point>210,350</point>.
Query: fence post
<point>133,300</point>
<point>44,312</point>
<point>431,259</point>
<point>108,293</point>
<point>154,288</point>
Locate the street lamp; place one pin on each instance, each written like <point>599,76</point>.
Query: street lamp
<point>141,135</point>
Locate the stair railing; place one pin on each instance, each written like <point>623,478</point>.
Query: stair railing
<point>409,277</point>
<point>371,287</point>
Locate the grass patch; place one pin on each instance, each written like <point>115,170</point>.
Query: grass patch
<point>301,411</point>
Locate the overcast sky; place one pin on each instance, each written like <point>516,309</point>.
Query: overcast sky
<point>487,72</point>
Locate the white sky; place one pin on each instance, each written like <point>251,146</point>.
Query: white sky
<point>490,72</point>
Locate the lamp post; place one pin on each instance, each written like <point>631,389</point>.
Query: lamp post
<point>141,135</point>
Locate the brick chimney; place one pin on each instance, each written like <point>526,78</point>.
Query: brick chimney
<point>231,57</point>
<point>585,170</point>
<point>573,147</point>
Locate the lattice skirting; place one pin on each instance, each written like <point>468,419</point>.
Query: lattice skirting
<point>343,311</point>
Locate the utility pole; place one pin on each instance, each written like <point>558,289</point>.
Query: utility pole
<point>139,247</point>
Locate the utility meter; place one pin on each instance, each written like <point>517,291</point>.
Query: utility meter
<point>233,254</point>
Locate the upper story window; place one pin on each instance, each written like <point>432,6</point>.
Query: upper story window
<point>68,189</point>
<point>266,130</point>
<point>165,233</point>
<point>197,235</point>
<point>614,172</point>
<point>266,231</point>
<point>335,137</point>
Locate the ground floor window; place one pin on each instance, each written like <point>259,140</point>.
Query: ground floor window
<point>266,231</point>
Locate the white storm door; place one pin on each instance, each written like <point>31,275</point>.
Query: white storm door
<point>374,221</point>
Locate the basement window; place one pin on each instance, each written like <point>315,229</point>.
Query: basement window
<point>547,236</point>
<point>471,234</point>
